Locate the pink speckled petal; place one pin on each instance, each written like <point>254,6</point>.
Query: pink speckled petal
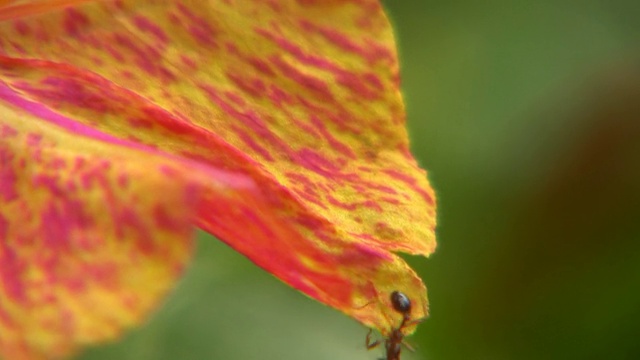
<point>301,97</point>
<point>93,231</point>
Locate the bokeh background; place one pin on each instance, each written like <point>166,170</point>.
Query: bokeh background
<point>527,116</point>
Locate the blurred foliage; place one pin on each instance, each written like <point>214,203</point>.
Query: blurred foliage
<point>527,116</point>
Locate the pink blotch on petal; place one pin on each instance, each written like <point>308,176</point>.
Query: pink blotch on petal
<point>4,227</point>
<point>11,272</point>
<point>164,220</point>
<point>75,21</point>
<point>199,27</point>
<point>262,66</point>
<point>307,81</point>
<point>7,131</point>
<point>314,161</point>
<point>147,25</point>
<point>8,177</point>
<point>22,28</point>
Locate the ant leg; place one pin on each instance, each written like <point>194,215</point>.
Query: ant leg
<point>370,345</point>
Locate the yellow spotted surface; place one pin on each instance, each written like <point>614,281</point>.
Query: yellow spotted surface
<point>85,248</point>
<point>294,106</point>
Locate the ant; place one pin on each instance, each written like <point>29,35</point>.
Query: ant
<point>402,304</point>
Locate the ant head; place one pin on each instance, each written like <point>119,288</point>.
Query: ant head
<point>401,302</point>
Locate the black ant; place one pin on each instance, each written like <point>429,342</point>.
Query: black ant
<point>393,343</point>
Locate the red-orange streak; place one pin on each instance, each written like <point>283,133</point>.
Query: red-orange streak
<point>22,10</point>
<point>312,83</point>
<point>354,82</point>
<point>344,42</point>
<point>411,182</point>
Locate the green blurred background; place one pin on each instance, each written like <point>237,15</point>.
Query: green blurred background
<point>527,116</point>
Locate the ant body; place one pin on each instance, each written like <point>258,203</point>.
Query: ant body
<point>393,343</point>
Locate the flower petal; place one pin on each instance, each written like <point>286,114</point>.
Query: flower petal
<point>93,230</point>
<point>300,96</point>
<point>84,247</point>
